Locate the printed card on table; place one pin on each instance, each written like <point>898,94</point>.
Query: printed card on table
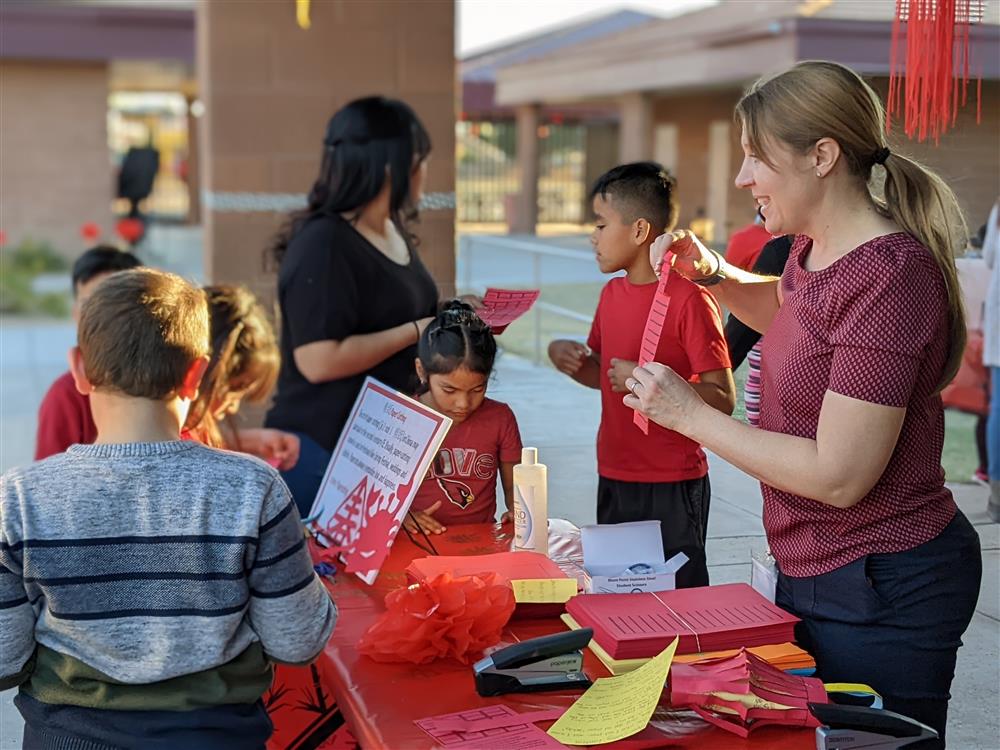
<point>381,457</point>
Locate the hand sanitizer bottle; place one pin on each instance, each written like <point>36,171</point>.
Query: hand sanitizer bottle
<point>531,511</point>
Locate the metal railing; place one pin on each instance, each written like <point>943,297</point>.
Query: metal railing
<point>506,255</point>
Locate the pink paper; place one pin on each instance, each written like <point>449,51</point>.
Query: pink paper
<point>501,307</point>
<point>460,724</point>
<point>520,736</point>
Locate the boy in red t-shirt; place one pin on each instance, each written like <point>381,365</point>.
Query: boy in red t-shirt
<point>663,475</point>
<point>64,416</point>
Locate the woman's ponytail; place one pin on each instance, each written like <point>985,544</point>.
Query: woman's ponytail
<point>922,205</point>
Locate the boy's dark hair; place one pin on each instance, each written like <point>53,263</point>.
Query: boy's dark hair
<point>457,337</point>
<point>141,330</point>
<point>101,259</point>
<point>640,190</point>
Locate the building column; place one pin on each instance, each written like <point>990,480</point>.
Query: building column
<point>525,214</point>
<point>193,166</point>
<point>635,135</point>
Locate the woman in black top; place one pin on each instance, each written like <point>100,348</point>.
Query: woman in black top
<point>354,294</point>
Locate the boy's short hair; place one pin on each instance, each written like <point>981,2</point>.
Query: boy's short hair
<point>140,332</point>
<point>101,259</point>
<point>640,190</point>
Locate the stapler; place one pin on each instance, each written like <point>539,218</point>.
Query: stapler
<point>862,728</point>
<point>552,662</point>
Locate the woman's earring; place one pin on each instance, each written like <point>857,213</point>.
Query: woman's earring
<point>818,173</point>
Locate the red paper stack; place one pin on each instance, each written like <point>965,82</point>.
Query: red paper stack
<point>710,618</point>
<point>508,566</point>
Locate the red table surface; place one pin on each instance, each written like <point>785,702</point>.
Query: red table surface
<point>380,702</point>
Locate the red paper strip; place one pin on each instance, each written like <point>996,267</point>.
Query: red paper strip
<point>461,723</point>
<point>653,330</point>
<point>501,307</point>
<point>521,736</point>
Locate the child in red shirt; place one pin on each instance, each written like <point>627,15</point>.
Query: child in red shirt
<point>663,475</point>
<point>64,415</point>
<point>455,359</point>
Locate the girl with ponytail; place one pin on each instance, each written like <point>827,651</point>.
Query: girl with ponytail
<point>864,328</point>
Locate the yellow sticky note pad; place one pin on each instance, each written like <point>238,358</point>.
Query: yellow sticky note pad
<point>614,708</point>
<point>544,590</point>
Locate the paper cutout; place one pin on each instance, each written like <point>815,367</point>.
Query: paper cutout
<point>462,722</point>
<point>652,332</point>
<point>382,454</point>
<point>544,590</point>
<point>521,736</point>
<point>743,692</point>
<point>501,307</point>
<point>614,708</point>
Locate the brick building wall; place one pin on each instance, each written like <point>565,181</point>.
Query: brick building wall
<point>54,168</point>
<point>270,87</point>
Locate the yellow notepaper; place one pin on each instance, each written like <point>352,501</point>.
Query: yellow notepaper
<point>614,708</point>
<point>544,590</point>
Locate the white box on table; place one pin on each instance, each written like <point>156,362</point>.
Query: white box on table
<point>627,558</point>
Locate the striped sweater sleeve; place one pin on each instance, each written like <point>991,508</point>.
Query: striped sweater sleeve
<point>17,618</point>
<point>290,608</point>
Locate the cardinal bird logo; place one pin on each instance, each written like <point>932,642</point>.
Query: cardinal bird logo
<point>457,492</point>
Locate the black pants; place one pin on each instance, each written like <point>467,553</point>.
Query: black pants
<point>893,621</point>
<point>227,727</point>
<point>680,507</point>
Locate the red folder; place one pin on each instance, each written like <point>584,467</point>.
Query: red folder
<point>513,566</point>
<point>709,618</point>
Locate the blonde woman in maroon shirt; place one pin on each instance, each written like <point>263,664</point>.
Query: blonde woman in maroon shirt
<point>864,327</point>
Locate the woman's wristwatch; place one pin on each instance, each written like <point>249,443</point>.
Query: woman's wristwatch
<point>718,275</point>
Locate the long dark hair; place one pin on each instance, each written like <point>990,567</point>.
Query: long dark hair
<point>365,140</point>
<point>457,337</point>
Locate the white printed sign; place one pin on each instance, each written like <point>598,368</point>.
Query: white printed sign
<point>382,455</point>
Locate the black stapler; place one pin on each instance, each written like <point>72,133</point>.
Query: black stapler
<point>552,662</point>
<point>862,728</point>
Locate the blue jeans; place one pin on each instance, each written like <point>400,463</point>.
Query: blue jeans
<point>993,426</point>
<point>304,478</point>
<point>893,621</point>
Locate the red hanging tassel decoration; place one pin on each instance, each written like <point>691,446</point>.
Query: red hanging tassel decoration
<point>936,56</point>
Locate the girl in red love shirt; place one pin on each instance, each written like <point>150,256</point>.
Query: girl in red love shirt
<point>863,329</point>
<point>455,358</point>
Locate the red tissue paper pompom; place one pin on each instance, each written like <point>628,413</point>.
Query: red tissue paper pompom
<point>440,617</point>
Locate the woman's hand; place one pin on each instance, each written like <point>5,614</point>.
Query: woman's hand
<point>619,372</point>
<point>422,326</point>
<point>426,520</point>
<point>277,447</point>
<point>663,396</point>
<point>507,517</point>
<point>691,259</point>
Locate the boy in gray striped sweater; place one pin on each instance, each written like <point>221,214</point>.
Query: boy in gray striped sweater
<point>147,583</point>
